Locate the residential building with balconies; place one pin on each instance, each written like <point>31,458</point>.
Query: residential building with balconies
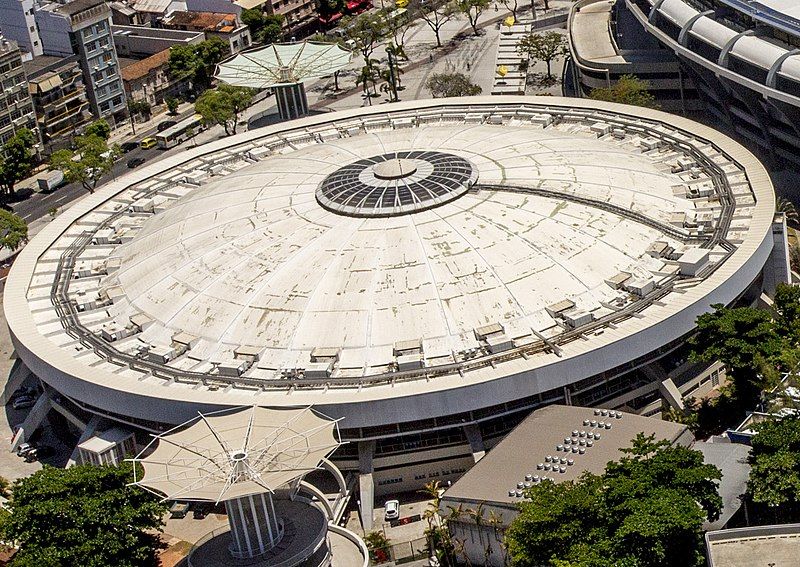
<point>16,108</point>
<point>59,98</point>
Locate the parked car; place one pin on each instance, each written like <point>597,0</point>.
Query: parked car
<point>128,146</point>
<point>392,510</point>
<point>148,143</point>
<point>135,162</point>
<point>201,510</point>
<point>165,124</point>
<point>23,402</point>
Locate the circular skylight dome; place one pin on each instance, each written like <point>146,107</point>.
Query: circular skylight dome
<point>396,183</point>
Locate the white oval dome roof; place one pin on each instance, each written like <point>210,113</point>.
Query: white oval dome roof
<point>254,260</point>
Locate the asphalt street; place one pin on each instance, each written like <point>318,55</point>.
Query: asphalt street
<point>31,205</point>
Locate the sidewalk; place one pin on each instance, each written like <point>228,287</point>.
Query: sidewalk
<point>125,133</point>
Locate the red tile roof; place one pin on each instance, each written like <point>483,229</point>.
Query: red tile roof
<point>142,68</point>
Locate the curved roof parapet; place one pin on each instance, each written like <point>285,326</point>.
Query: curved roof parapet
<point>581,220</point>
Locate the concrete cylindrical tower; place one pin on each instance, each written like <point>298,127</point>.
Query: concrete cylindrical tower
<point>255,527</point>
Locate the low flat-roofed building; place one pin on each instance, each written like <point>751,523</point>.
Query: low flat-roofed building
<point>537,448</point>
<point>109,447</point>
<point>227,27</point>
<point>773,546</point>
<point>140,42</point>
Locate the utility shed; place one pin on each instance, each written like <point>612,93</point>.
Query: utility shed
<point>692,261</point>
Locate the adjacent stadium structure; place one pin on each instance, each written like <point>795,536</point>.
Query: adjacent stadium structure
<point>741,55</point>
<point>427,271</point>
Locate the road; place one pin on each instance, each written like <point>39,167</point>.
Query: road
<point>37,205</point>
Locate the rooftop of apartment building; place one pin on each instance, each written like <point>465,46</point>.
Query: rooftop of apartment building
<point>78,6</point>
<point>157,33</point>
<point>133,69</point>
<point>8,46</point>
<point>205,21</point>
<point>42,65</point>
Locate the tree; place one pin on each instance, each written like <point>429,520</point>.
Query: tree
<point>645,510</point>
<point>545,47</point>
<point>13,230</point>
<point>327,8</point>
<point>627,90</point>
<point>512,6</point>
<point>85,515</point>
<point>744,339</point>
<point>141,107</point>
<point>99,128</point>
<point>223,106</point>
<point>91,159</point>
<point>172,104</point>
<point>787,312</point>
<point>434,14</point>
<point>451,84</point>
<point>366,32</point>
<point>16,161</point>
<point>196,63</point>
<point>472,9</point>
<point>774,480</point>
<point>265,28</point>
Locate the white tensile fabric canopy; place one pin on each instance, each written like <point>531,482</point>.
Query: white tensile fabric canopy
<point>230,454</point>
<point>283,64</point>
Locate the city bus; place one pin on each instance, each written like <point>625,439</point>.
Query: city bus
<point>181,132</point>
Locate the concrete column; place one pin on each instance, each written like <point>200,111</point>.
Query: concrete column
<point>366,486</point>
<point>255,528</point>
<point>473,433</point>
<point>292,101</point>
<point>19,372</point>
<point>34,420</point>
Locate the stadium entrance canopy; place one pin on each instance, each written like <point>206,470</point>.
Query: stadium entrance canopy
<point>241,458</point>
<point>284,67</point>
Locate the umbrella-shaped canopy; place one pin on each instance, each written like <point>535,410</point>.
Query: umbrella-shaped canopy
<point>283,64</point>
<point>224,455</point>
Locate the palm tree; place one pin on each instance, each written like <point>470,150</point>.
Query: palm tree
<point>476,515</point>
<point>785,206</point>
<point>496,522</point>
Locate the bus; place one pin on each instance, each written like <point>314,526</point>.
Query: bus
<point>181,132</point>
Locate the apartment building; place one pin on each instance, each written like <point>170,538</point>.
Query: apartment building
<point>82,28</point>
<point>16,108</point>
<point>59,98</point>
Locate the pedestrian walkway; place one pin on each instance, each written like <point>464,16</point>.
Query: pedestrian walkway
<point>126,132</point>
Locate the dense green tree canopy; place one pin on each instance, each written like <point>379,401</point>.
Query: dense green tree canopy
<point>99,128</point>
<point>91,159</point>
<point>645,510</point>
<point>264,28</point>
<point>197,62</point>
<point>451,84</point>
<point>746,340</point>
<point>775,467</point>
<point>85,515</point>
<point>627,90</point>
<point>16,160</point>
<point>223,106</point>
<point>13,230</point>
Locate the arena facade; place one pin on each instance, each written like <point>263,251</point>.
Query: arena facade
<point>427,271</point>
